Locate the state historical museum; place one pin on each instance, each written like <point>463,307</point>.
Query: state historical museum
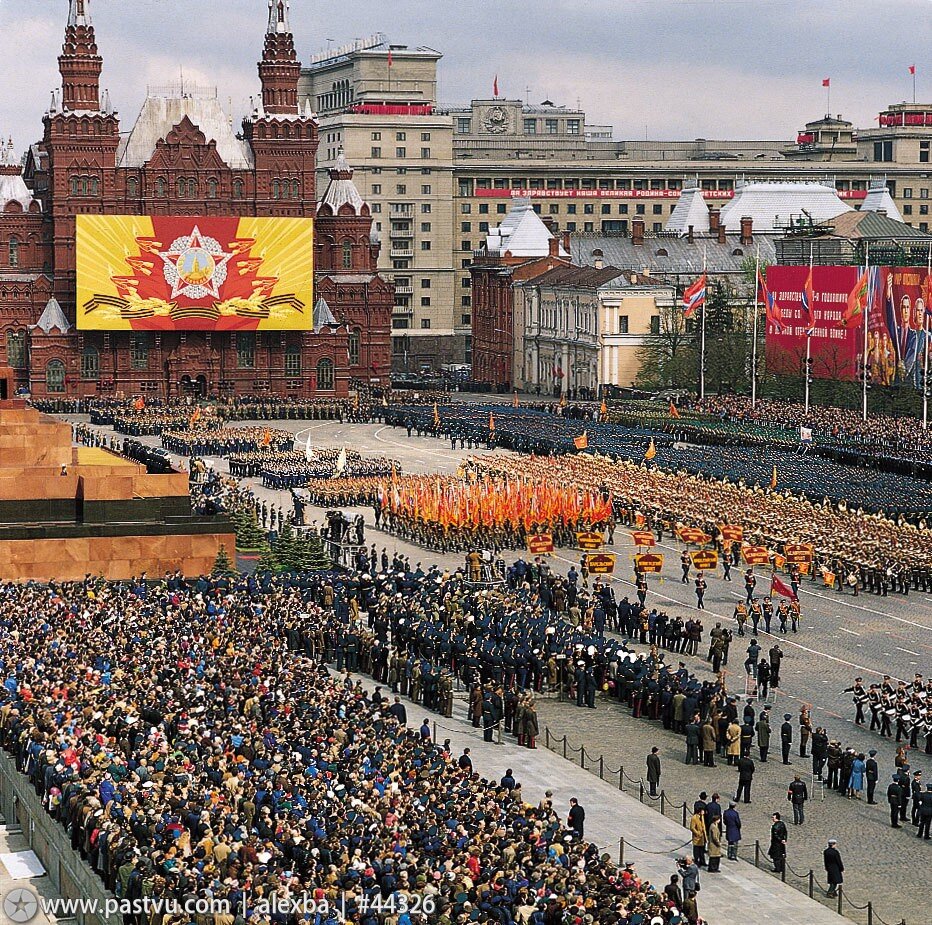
<point>196,288</point>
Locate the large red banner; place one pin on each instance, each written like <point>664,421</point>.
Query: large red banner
<point>835,348</point>
<point>899,301</point>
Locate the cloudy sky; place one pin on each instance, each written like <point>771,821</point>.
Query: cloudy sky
<point>667,68</point>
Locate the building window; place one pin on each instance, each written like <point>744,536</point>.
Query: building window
<point>658,209</point>
<point>347,255</point>
<point>553,209</point>
<point>425,283</point>
<point>463,126</point>
<point>425,154</point>
<point>466,208</point>
<point>276,190</point>
<point>245,350</point>
<point>425,208</point>
<point>907,192</point>
<point>883,150</point>
<point>401,152</point>
<point>376,189</point>
<point>325,374</point>
<point>425,245</point>
<point>375,152</point>
<point>400,136</point>
<point>94,186</point>
<point>425,301</point>
<point>465,301</point>
<point>292,360</point>
<point>14,251</point>
<point>530,126</point>
<point>466,227</point>
<point>401,189</point>
<point>237,189</point>
<point>90,363</point>
<point>571,226</point>
<point>588,208</point>
<point>907,210</point>
<point>465,245</point>
<point>425,227</point>
<point>352,348</point>
<point>552,126</point>
<point>55,376</point>
<point>160,187</point>
<point>16,349</point>
<point>139,351</point>
<point>572,126</point>
<point>622,324</point>
<point>182,186</point>
<point>376,136</point>
<point>655,324</point>
<point>425,189</point>
<point>924,150</point>
<point>212,187</point>
<point>425,324</point>
<point>132,187</point>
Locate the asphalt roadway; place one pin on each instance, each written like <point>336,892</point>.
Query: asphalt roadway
<point>840,637</point>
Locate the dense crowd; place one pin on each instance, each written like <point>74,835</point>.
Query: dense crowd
<point>294,470</point>
<point>197,441</point>
<point>897,708</point>
<point>189,737</point>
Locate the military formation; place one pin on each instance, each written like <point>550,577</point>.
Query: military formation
<point>897,708</point>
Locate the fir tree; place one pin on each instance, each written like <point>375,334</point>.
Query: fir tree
<point>222,565</point>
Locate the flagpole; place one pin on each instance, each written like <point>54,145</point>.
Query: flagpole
<point>809,323</point>
<point>702,337</point>
<point>754,331</point>
<point>925,365</point>
<point>866,313</point>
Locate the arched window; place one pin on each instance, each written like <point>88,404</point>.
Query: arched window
<point>293,360</point>
<point>192,189</point>
<point>90,363</point>
<point>16,349</point>
<point>160,187</point>
<point>75,186</point>
<point>276,194</point>
<point>139,350</point>
<point>352,348</point>
<point>237,189</point>
<point>94,186</point>
<point>132,187</point>
<point>14,251</point>
<point>295,189</point>
<point>55,376</point>
<point>245,350</point>
<point>211,188</point>
<point>347,255</point>
<point>182,186</point>
<point>325,374</point>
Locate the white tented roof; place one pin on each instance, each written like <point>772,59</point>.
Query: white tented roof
<point>878,199</point>
<point>161,112</point>
<point>342,190</point>
<point>776,205</point>
<point>521,234</point>
<point>690,209</point>
<point>323,316</point>
<point>52,318</point>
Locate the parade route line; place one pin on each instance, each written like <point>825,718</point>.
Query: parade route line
<point>784,640</point>
<point>445,455</point>
<point>849,632</point>
<point>910,651</point>
<point>879,613</point>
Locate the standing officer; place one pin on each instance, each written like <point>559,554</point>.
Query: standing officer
<point>925,814</point>
<point>786,737</point>
<point>872,772</point>
<point>700,591</point>
<point>797,794</point>
<point>894,795</point>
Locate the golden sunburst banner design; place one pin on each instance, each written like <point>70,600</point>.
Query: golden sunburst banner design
<point>194,273</point>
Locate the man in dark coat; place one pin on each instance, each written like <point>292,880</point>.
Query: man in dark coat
<point>786,737</point>
<point>777,850</point>
<point>894,796</point>
<point>745,776</point>
<point>653,770</point>
<point>834,867</point>
<point>576,818</point>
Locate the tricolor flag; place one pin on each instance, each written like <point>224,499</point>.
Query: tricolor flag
<point>774,313</point>
<point>857,299</point>
<point>694,297</point>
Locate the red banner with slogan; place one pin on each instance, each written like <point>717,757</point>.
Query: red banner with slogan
<point>649,562</point>
<point>538,543</point>
<point>755,555</point>
<point>643,538</point>
<point>705,559</point>
<point>602,563</point>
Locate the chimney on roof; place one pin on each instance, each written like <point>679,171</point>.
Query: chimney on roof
<point>690,237</point>
<point>637,232</point>
<point>715,219</point>
<point>566,241</point>
<point>551,223</point>
<point>721,233</point>
<point>598,263</point>
<point>554,245</point>
<point>747,230</point>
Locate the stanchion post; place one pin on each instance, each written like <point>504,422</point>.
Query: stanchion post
<point>663,803</point>
<point>582,757</point>
<point>870,913</point>
<point>601,767</point>
<point>434,725</point>
<point>498,727</point>
<point>756,846</point>
<point>811,882</point>
<point>564,746</point>
<point>547,736</point>
<point>641,791</point>
<point>621,779</point>
<point>621,852</point>
<point>783,871</point>
<point>684,815</point>
<point>840,893</point>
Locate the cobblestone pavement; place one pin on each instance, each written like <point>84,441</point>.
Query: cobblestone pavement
<point>839,637</point>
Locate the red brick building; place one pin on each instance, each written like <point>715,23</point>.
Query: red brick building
<point>182,158</point>
<point>520,248</point>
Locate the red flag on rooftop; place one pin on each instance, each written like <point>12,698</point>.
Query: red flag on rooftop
<point>495,87</point>
<point>826,81</point>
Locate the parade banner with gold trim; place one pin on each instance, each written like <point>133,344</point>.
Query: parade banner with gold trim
<point>732,533</point>
<point>194,273</point>
<point>539,543</point>
<point>643,538</point>
<point>705,559</point>
<point>755,555</point>
<point>589,539</point>
<point>649,562</point>
<point>798,553</point>
<point>601,563</point>
<point>693,535</point>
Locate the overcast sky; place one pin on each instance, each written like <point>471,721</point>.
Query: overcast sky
<point>668,68</point>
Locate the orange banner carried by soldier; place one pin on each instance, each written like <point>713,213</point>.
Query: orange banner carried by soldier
<point>643,538</point>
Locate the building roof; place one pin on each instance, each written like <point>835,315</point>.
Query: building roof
<point>774,206</point>
<point>52,318</point>
<point>12,186</point>
<point>690,210</point>
<point>871,226</point>
<point>521,234</point>
<point>342,190</point>
<point>322,315</point>
<point>578,277</point>
<point>878,199</point>
<point>163,110</point>
<point>666,254</point>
